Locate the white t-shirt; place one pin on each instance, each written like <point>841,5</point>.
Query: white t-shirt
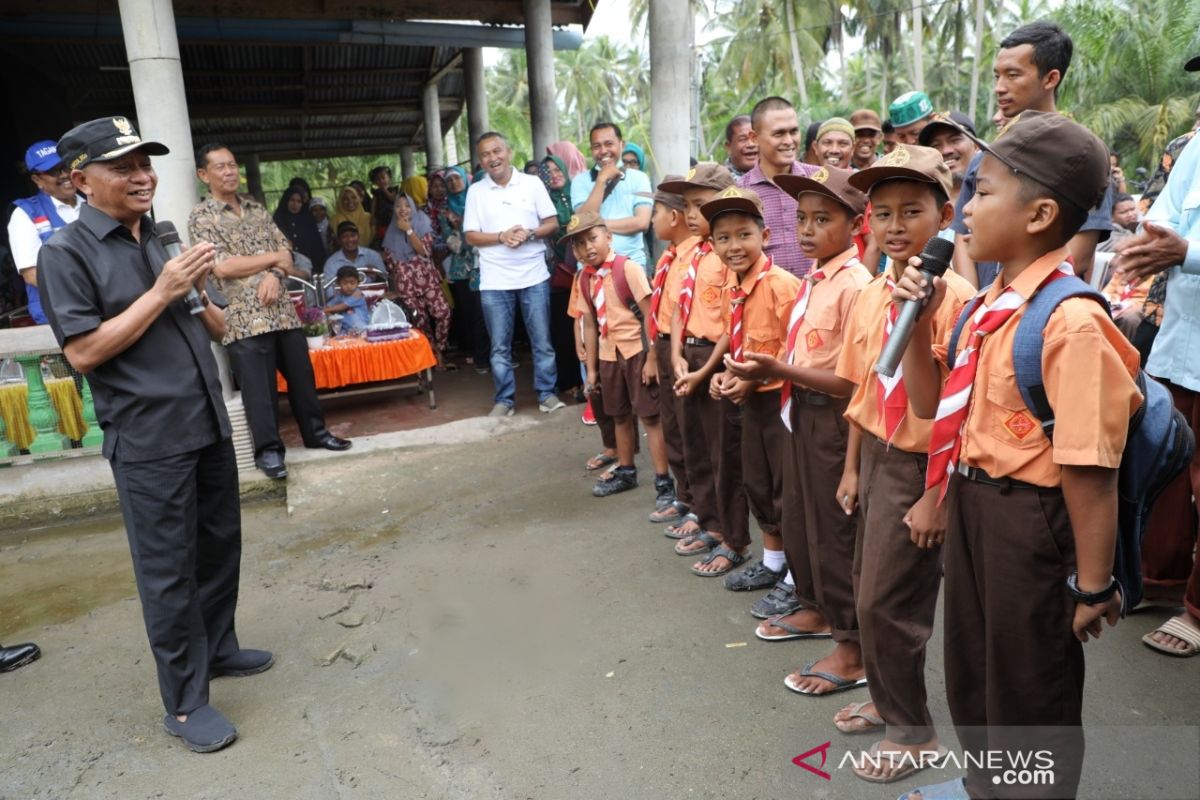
<point>23,237</point>
<point>492,208</point>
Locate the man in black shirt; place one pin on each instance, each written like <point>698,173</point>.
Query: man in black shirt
<point>115,302</point>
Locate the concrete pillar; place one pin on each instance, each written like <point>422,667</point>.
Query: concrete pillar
<point>433,127</point>
<point>254,177</point>
<point>162,115</point>
<point>670,87</point>
<point>408,166</point>
<point>452,156</point>
<point>477,107</point>
<point>539,52</point>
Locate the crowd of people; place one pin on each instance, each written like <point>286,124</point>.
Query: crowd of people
<point>749,354</point>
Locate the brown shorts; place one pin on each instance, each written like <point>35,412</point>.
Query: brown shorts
<point>622,389</point>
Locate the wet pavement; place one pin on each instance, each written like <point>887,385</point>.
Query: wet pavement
<point>464,620</point>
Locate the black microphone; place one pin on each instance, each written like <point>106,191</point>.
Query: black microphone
<point>935,260</point>
<point>169,237</point>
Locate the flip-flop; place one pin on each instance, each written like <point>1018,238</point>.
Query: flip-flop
<point>677,532</point>
<point>707,538</point>
<point>1180,630</point>
<point>856,712</point>
<point>599,461</point>
<point>735,560</point>
<point>910,764</point>
<point>792,632</point>
<point>840,684</point>
<point>946,790</point>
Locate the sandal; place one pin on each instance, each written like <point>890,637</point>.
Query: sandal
<point>792,632</point>
<point>735,560</point>
<point>1180,630</point>
<point>910,763</point>
<point>840,684</point>
<point>856,712</point>
<point>678,531</point>
<point>599,461</point>
<point>704,537</point>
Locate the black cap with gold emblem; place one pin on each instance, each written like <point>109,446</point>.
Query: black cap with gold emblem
<point>103,139</point>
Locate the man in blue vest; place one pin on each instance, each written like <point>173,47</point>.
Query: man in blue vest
<point>36,218</point>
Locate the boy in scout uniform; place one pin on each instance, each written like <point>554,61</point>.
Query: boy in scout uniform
<point>698,342</point>
<point>759,299</point>
<point>671,227</point>
<point>818,534</point>
<point>897,556</point>
<point>617,360</point>
<point>1031,521</point>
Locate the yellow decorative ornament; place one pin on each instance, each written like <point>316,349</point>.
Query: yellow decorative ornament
<point>122,125</point>
<point>691,173</point>
<point>897,158</point>
<point>573,224</point>
<point>821,175</point>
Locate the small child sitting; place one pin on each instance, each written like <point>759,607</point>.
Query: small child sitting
<point>348,301</point>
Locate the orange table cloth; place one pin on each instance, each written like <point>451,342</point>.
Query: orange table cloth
<point>343,362</point>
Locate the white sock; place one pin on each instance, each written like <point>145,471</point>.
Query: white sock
<point>787,579</point>
<point>774,559</point>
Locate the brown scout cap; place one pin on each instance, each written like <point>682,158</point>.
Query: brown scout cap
<point>733,198</point>
<point>705,175</point>
<point>829,181</point>
<point>1057,152</point>
<point>580,222</point>
<point>909,161</point>
<point>668,199</point>
<point>866,118</point>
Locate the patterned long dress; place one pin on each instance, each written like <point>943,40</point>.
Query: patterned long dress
<point>419,286</point>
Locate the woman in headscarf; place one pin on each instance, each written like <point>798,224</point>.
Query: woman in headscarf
<point>364,199</point>
<point>433,209</point>
<point>569,155</point>
<point>637,159</point>
<point>407,250</point>
<point>319,208</point>
<point>301,184</point>
<point>350,208</point>
<point>297,223</point>
<point>562,265</point>
<point>417,189</point>
<point>462,272</point>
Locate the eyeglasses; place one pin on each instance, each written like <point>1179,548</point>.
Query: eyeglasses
<point>54,172</point>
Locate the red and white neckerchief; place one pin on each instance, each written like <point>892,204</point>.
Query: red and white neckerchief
<point>799,308</point>
<point>689,284</point>
<point>660,277</point>
<point>891,396</point>
<point>945,442</point>
<point>737,300</point>
<point>598,297</point>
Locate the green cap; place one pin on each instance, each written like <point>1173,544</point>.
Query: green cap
<point>910,107</point>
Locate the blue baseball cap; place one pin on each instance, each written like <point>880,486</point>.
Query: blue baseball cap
<point>42,156</point>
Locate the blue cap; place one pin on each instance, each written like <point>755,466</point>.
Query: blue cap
<point>42,156</point>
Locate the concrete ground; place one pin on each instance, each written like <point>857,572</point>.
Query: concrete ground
<point>454,616</point>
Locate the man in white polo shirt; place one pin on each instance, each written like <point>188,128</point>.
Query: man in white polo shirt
<point>508,216</point>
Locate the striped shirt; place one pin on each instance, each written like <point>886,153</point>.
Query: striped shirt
<point>779,212</point>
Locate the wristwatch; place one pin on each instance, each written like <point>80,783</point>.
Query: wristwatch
<point>278,273</point>
<point>204,301</point>
<point>1090,598</point>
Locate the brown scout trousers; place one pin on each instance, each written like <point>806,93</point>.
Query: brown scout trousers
<point>670,407</point>
<point>1013,663</point>
<point>818,537</point>
<point>896,588</point>
<point>762,456</point>
<point>700,425</point>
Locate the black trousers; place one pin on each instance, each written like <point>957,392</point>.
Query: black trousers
<point>184,522</point>
<point>562,337</point>
<point>470,332</point>
<point>255,360</point>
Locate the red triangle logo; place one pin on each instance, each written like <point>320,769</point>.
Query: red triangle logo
<point>823,749</point>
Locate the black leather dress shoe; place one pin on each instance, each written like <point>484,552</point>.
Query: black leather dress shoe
<point>331,442</point>
<point>271,462</point>
<point>242,663</point>
<point>18,655</point>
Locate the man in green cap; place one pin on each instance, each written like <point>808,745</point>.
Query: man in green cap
<point>910,113</point>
